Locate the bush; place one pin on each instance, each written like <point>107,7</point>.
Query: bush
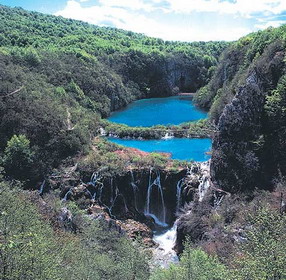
<point>263,254</point>
<point>18,157</point>
<point>194,264</point>
<point>31,249</point>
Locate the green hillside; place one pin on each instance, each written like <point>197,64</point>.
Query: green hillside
<point>70,74</point>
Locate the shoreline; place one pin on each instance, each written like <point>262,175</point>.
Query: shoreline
<point>192,94</point>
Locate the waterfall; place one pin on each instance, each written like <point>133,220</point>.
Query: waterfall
<point>93,179</point>
<point>156,220</point>
<point>167,136</point>
<point>113,203</point>
<point>179,194</point>
<point>94,196</point>
<point>102,131</point>
<point>111,192</point>
<point>114,195</point>
<point>67,194</point>
<point>217,199</point>
<point>203,187</point>
<point>41,190</point>
<point>148,212</point>
<point>135,189</point>
<point>91,196</point>
<point>93,182</point>
<point>205,181</point>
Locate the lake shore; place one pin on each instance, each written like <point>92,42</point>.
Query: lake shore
<point>192,94</point>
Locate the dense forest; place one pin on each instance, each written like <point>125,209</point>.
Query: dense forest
<point>68,207</point>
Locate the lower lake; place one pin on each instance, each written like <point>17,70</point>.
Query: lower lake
<point>179,148</point>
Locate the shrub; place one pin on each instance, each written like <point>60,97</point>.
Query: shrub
<point>18,157</point>
<point>194,264</point>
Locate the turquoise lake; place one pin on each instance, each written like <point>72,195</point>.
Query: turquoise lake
<point>179,148</point>
<point>154,111</point>
<point>170,110</point>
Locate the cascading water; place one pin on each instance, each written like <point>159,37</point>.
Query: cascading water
<point>205,180</point>
<point>124,201</point>
<point>135,189</point>
<point>94,178</point>
<point>67,194</point>
<point>179,194</point>
<point>112,192</point>
<point>99,195</point>
<point>203,187</point>
<point>102,131</point>
<point>94,182</point>
<point>91,196</point>
<point>167,136</point>
<point>164,254</point>
<point>42,187</point>
<point>114,196</point>
<point>160,215</point>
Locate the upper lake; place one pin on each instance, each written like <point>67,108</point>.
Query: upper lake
<point>155,111</point>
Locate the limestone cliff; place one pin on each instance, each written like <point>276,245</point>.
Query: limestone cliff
<point>242,157</point>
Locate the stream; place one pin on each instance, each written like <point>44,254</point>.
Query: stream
<point>164,254</point>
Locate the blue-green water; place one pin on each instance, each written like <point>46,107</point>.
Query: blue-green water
<point>180,148</point>
<point>170,110</point>
<point>154,111</point>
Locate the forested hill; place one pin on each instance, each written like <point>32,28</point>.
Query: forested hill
<point>22,28</point>
<point>134,57</point>
<point>60,76</point>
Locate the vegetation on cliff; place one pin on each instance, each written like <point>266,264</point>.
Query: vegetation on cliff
<point>246,101</point>
<point>247,53</point>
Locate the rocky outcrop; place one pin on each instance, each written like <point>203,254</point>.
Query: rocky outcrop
<point>194,219</point>
<point>175,75</point>
<point>235,164</point>
<point>133,229</point>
